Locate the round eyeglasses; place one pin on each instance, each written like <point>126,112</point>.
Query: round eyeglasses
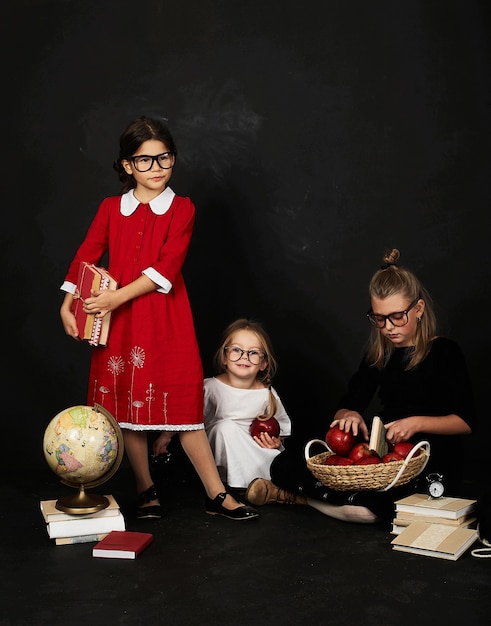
<point>144,162</point>
<point>234,353</point>
<point>399,318</point>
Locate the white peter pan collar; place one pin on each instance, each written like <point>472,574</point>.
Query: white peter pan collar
<point>159,205</point>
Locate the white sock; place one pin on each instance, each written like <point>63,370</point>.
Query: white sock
<point>344,512</point>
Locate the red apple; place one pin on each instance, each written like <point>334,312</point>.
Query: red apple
<point>336,459</point>
<point>368,460</point>
<point>392,456</point>
<point>268,425</point>
<point>404,448</point>
<point>339,441</point>
<point>360,450</point>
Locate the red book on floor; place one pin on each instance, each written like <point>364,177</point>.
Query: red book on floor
<point>90,277</point>
<point>122,544</point>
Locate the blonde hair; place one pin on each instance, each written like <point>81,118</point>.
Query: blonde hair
<point>265,376</point>
<point>392,279</point>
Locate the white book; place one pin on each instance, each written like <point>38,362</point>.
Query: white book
<point>378,442</point>
<point>449,507</point>
<point>399,526</point>
<point>404,519</point>
<point>65,541</point>
<point>86,526</point>
<point>435,540</point>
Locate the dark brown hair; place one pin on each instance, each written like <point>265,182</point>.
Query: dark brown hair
<point>136,133</point>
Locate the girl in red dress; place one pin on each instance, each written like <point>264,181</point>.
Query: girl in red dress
<point>149,376</point>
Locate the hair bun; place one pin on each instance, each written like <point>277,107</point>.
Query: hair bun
<point>391,257</point>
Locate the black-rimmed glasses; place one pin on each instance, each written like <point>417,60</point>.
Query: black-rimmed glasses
<point>234,353</point>
<point>399,318</point>
<point>144,162</point>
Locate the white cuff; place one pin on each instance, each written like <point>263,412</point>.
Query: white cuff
<point>164,285</point>
<point>68,287</point>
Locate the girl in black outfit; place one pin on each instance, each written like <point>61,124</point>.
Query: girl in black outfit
<point>424,390</point>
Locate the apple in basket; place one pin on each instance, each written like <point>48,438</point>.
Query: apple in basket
<point>263,424</point>
<point>336,459</point>
<point>404,448</point>
<point>392,456</point>
<point>372,459</point>
<point>359,451</point>
<point>339,441</point>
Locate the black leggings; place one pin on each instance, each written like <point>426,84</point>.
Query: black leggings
<point>289,471</point>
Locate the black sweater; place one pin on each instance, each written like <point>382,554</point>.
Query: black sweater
<point>439,385</point>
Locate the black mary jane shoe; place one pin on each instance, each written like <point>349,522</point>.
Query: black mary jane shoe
<point>148,512</point>
<point>215,507</point>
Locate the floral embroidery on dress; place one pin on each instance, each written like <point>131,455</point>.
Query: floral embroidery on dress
<point>115,365</point>
<point>137,359</point>
<point>149,399</point>
<point>164,408</point>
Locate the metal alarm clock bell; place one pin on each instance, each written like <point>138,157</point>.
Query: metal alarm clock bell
<point>435,485</point>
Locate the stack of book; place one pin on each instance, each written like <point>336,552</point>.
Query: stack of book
<point>66,528</point>
<point>92,278</point>
<point>440,527</point>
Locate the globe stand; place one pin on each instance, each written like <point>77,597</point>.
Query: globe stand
<point>82,503</point>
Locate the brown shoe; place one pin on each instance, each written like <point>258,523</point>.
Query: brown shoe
<point>262,491</point>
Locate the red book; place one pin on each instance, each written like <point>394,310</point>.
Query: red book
<point>122,544</point>
<point>90,277</point>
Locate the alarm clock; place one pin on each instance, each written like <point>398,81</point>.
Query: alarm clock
<point>436,488</point>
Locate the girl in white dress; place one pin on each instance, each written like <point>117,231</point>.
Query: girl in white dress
<point>240,392</point>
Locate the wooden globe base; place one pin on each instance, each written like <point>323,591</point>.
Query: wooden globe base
<point>82,503</point>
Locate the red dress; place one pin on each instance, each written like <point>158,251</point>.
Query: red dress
<point>150,374</point>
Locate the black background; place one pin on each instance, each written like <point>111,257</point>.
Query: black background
<point>312,136</point>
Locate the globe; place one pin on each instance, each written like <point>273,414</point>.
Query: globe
<point>84,446</point>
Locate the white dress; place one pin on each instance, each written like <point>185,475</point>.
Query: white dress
<point>229,412</point>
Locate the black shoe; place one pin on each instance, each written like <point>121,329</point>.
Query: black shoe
<point>215,507</point>
<point>148,512</point>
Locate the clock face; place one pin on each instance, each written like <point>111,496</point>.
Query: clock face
<point>436,489</point>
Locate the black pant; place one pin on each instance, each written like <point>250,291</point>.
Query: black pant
<point>289,471</point>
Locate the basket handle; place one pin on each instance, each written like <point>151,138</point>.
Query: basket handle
<point>425,445</point>
<point>309,444</point>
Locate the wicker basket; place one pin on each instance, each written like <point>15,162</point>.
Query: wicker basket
<point>382,476</point>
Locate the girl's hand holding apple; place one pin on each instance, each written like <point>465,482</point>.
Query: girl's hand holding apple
<point>348,420</point>
<point>264,440</point>
<point>266,432</point>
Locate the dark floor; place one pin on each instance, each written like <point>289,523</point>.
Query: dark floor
<point>292,566</point>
